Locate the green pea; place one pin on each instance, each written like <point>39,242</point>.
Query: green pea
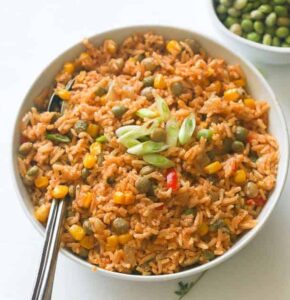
<point>281,11</point>
<point>233,12</point>
<point>87,227</point>
<point>256,4</point>
<point>25,148</point>
<point>111,180</point>
<point>148,81</point>
<point>100,91</point>
<point>238,147</point>
<point>287,40</point>
<point>176,88</point>
<point>267,39</point>
<point>271,19</point>
<point>147,92</point>
<point>205,133</point>
<point>247,25</point>
<point>282,32</point>
<point>257,15</point>
<point>119,110</point>
<point>85,173</point>
<point>248,7</point>
<point>221,9</point>
<point>33,171</point>
<point>254,37</point>
<point>279,1</point>
<point>240,4</point>
<point>149,64</point>
<point>81,126</point>
<point>226,3</point>
<point>144,185</point>
<point>283,21</point>
<point>276,41</point>
<point>259,27</point>
<point>236,29</point>
<point>241,133</point>
<point>229,21</point>
<point>265,8</point>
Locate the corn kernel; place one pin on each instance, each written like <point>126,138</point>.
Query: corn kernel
<point>202,229</point>
<point>88,242</point>
<point>112,242</point>
<point>77,232</point>
<point>119,198</point>
<point>84,56</point>
<point>92,130</point>
<point>124,238</point>
<point>240,176</point>
<point>129,198</point>
<point>60,191</point>
<point>41,182</point>
<point>111,46</point>
<point>231,95</point>
<point>159,82</point>
<point>173,47</point>
<point>249,102</point>
<point>89,161</point>
<point>240,82</point>
<point>41,213</point>
<point>63,94</point>
<point>69,68</point>
<point>95,148</point>
<point>86,200</point>
<point>213,167</point>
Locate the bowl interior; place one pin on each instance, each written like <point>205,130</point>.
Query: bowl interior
<point>257,86</point>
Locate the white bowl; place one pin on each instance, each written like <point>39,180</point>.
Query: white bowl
<point>257,86</point>
<point>254,51</point>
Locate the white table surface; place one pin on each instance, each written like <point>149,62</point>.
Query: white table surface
<point>32,33</point>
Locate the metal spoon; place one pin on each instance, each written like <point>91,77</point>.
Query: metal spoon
<point>45,276</point>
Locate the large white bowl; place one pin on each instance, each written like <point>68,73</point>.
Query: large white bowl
<point>257,86</point>
<point>254,51</point>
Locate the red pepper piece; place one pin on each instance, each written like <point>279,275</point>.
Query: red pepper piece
<point>172,180</point>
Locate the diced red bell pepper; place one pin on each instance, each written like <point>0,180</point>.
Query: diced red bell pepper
<point>172,180</point>
<point>259,201</point>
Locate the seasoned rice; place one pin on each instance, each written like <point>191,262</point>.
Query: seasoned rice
<point>171,229</point>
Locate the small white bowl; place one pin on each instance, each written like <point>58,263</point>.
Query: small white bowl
<point>254,51</point>
<point>258,87</point>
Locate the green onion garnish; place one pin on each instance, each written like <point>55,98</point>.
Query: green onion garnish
<point>187,129</point>
<point>162,108</point>
<point>146,113</point>
<point>147,148</point>
<point>158,160</point>
<point>172,129</point>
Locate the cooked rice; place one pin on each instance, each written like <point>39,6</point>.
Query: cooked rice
<point>163,239</point>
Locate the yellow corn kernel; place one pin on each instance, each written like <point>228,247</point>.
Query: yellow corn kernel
<point>63,94</point>
<point>213,167</point>
<point>89,161</point>
<point>95,148</point>
<point>129,198</point>
<point>112,242</point>
<point>124,238</point>
<point>119,198</point>
<point>202,229</point>
<point>159,82</point>
<point>69,68</point>
<point>88,242</point>
<point>92,130</point>
<point>77,232</point>
<point>173,47</point>
<point>240,82</point>
<point>41,213</point>
<point>87,200</point>
<point>231,95</point>
<point>41,182</point>
<point>111,46</point>
<point>84,56</point>
<point>60,191</point>
<point>249,102</point>
<point>240,176</point>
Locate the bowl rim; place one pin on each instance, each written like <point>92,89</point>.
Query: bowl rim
<point>182,274</point>
<point>238,38</point>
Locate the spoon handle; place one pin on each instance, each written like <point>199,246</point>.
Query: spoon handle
<point>44,281</point>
